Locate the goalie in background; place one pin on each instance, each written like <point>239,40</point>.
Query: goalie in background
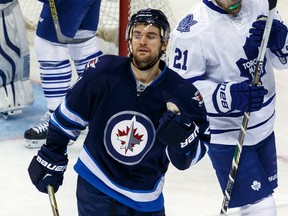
<point>141,116</point>
<point>221,66</point>
<point>77,19</point>
<point>15,86</point>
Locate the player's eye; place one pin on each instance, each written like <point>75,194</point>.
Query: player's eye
<point>151,36</point>
<point>137,35</point>
<point>148,36</point>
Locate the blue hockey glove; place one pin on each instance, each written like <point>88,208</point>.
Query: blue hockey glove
<point>47,168</point>
<point>178,132</point>
<point>238,96</point>
<point>278,34</point>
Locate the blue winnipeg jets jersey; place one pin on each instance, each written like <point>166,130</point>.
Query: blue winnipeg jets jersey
<point>121,155</point>
<point>210,47</point>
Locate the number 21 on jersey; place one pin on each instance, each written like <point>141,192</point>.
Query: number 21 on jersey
<point>180,59</point>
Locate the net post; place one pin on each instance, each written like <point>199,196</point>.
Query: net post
<point>124,13</point>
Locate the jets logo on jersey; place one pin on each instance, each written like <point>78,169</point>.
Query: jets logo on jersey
<point>129,136</point>
<point>186,23</point>
<point>92,63</point>
<point>198,97</point>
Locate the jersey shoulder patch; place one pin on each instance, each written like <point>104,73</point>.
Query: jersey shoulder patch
<point>186,23</point>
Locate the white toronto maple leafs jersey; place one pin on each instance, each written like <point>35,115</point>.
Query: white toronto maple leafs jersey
<point>209,47</point>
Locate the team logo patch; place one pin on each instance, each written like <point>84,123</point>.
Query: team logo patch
<point>92,63</point>
<point>198,97</point>
<point>129,136</point>
<point>256,185</point>
<point>186,23</point>
<point>248,65</point>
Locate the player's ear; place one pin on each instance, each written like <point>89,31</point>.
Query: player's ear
<point>164,46</point>
<point>129,42</point>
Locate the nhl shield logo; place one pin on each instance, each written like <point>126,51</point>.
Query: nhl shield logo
<point>129,136</point>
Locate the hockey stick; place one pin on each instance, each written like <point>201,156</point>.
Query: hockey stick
<point>52,199</point>
<point>62,38</point>
<point>257,73</point>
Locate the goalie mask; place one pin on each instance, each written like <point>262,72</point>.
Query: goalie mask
<point>149,16</point>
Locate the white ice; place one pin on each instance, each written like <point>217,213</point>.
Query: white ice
<point>191,192</point>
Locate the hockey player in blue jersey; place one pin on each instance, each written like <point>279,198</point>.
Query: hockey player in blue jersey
<point>215,46</point>
<point>77,20</point>
<point>141,116</point>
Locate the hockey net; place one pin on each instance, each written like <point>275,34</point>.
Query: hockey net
<point>114,16</point>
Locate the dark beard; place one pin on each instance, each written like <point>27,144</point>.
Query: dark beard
<point>141,64</point>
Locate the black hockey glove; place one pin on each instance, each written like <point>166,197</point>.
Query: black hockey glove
<point>178,132</point>
<point>47,168</point>
<point>278,34</point>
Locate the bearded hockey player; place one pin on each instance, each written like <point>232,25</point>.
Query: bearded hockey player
<point>133,133</point>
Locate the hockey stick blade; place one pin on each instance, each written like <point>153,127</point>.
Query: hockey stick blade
<point>257,73</point>
<point>62,38</point>
<point>52,199</point>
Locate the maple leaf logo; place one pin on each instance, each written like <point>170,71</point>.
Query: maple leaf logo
<point>129,137</point>
<point>186,23</point>
<point>247,66</point>
<point>256,185</point>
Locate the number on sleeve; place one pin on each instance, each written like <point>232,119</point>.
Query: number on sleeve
<point>180,59</point>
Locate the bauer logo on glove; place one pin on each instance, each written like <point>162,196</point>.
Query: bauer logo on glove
<point>178,132</point>
<point>192,137</point>
<point>47,168</point>
<point>51,166</point>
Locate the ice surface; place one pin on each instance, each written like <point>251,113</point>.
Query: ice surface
<point>191,192</point>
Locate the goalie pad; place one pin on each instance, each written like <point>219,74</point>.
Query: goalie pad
<point>5,3</point>
<point>15,87</point>
<point>16,96</point>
